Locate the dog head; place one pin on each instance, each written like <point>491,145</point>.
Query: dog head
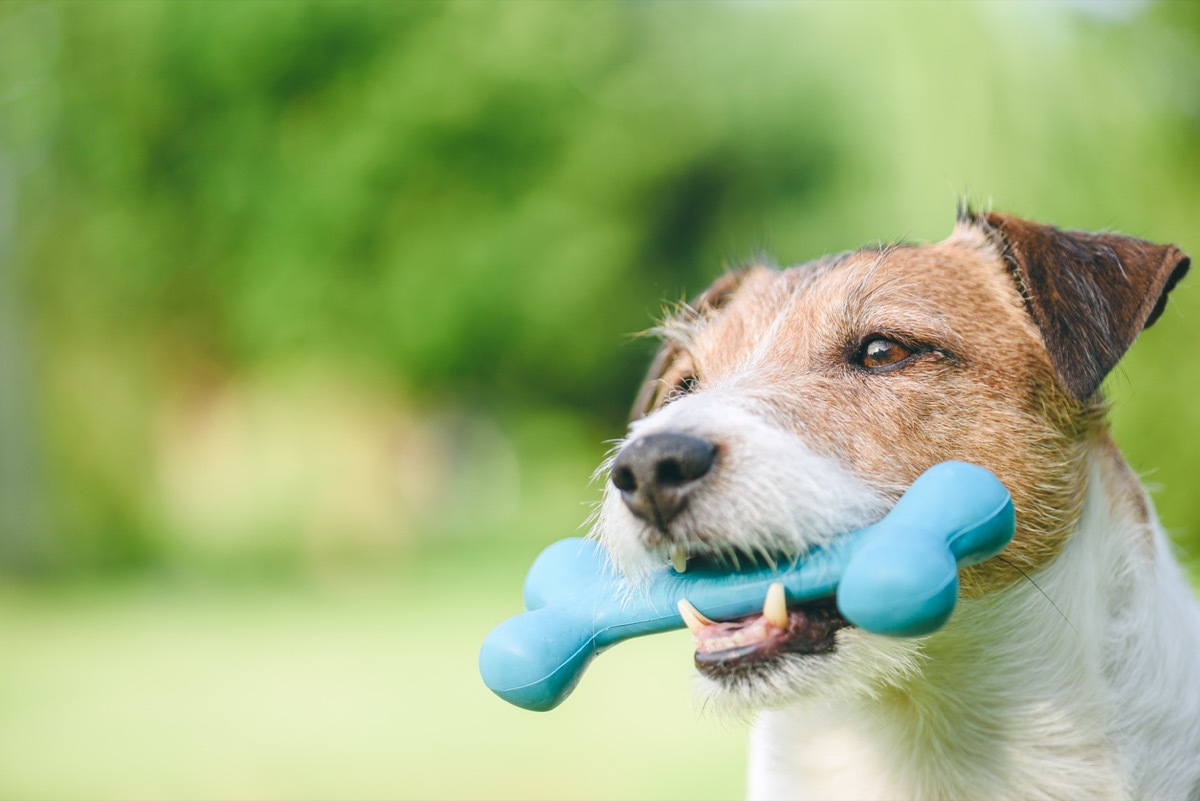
<point>788,406</point>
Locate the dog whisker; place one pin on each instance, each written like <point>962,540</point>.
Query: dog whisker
<point>1050,600</point>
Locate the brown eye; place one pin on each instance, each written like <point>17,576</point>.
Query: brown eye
<point>882,352</point>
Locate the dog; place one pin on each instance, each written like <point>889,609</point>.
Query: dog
<point>788,406</point>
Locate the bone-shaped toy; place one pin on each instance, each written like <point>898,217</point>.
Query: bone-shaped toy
<point>897,577</point>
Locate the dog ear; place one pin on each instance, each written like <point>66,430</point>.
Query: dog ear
<point>710,300</point>
<point>1089,294</point>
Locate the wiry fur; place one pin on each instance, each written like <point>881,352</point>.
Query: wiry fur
<point>1070,667</point>
<point>1016,699</point>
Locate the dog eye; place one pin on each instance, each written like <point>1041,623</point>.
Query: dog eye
<point>685,385</point>
<point>880,352</point>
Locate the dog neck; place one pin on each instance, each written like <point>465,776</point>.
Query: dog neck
<point>1076,683</point>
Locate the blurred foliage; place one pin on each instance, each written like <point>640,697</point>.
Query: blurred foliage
<point>334,302</point>
<point>460,211</point>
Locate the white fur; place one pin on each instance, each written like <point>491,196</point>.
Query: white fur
<point>772,493</point>
<point>1082,682</point>
<point>1015,698</point>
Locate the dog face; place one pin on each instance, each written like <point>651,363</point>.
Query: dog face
<point>786,407</point>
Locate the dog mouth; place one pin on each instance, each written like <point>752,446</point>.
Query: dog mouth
<point>740,647</point>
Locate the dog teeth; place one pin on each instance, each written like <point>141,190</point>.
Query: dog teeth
<point>692,617</point>
<point>679,559</point>
<point>775,607</point>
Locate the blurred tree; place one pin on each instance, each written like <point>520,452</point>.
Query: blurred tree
<point>24,538</point>
<point>478,201</point>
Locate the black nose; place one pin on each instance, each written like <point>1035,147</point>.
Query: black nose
<point>655,474</point>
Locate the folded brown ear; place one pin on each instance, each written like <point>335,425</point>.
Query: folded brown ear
<point>1090,294</point>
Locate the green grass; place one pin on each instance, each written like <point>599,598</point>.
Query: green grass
<point>357,691</point>
<point>360,687</point>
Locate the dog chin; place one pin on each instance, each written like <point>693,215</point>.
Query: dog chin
<point>860,665</point>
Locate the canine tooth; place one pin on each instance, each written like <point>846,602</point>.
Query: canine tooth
<point>679,559</point>
<point>775,607</point>
<point>692,617</point>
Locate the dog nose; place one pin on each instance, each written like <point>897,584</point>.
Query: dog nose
<point>655,474</point>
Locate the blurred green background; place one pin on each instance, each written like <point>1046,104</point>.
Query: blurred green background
<point>315,319</point>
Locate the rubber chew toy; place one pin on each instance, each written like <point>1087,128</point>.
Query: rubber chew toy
<point>897,577</point>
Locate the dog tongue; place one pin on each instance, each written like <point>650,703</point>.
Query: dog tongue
<point>806,630</point>
<point>728,646</point>
<point>753,631</point>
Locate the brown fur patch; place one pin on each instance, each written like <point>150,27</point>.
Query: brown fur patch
<point>1090,294</point>
<point>981,388</point>
<point>1012,326</point>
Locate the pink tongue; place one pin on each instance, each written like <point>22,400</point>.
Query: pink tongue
<point>810,630</point>
<point>749,630</point>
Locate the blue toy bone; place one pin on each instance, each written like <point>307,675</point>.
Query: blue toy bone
<point>897,577</point>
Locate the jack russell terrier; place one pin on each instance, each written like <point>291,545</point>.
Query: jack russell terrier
<point>787,406</point>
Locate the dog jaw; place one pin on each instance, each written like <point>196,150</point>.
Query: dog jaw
<point>861,665</point>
